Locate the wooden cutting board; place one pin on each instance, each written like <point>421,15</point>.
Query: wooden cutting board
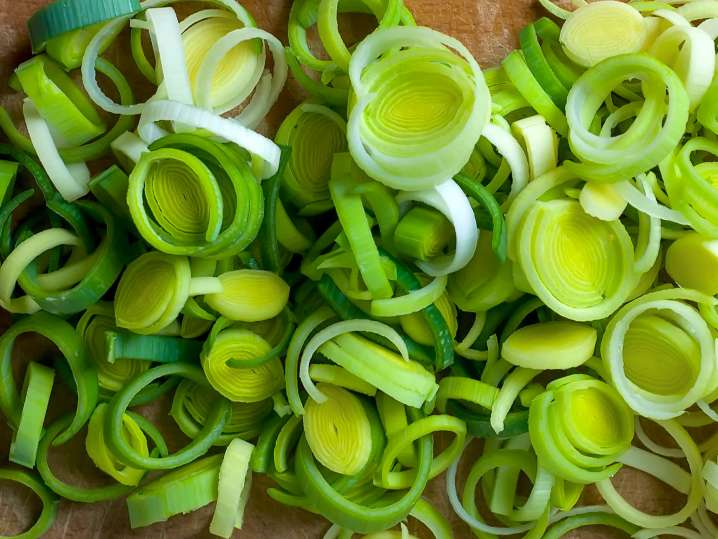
<point>490,29</point>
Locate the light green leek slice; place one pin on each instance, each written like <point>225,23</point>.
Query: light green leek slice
<point>338,430</point>
<point>152,291</point>
<point>550,345</point>
<point>419,111</point>
<point>233,488</point>
<point>660,329</point>
<point>35,395</point>
<point>249,295</point>
<point>315,133</point>
<point>71,116</point>
<point>695,493</point>
<point>540,142</point>
<point>49,501</point>
<point>600,30</point>
<point>651,137</point>
<point>101,455</point>
<point>182,490</point>
<point>692,262</point>
<point>602,201</point>
<point>340,377</point>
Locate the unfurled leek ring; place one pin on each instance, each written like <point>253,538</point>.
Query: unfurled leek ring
<point>419,112</point>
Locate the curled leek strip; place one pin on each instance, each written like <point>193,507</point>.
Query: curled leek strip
<point>103,458</point>
<point>695,493</point>
<point>254,383</point>
<point>404,439</point>
<point>315,133</point>
<point>180,491</point>
<point>550,345</point>
<point>71,347</point>
<point>637,339</point>
<point>614,158</point>
<point>204,440</point>
<point>419,112</point>
<point>567,445</point>
<point>36,397</point>
<point>449,199</point>
<point>601,30</point>
<point>338,430</point>
<point>337,329</point>
<point>151,293</point>
<point>191,406</point>
<point>412,302</point>
<point>49,502</point>
<point>233,487</point>
<point>249,295</point>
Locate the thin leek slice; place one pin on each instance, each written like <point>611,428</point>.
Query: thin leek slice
<point>315,133</point>
<point>47,516</point>
<point>234,484</point>
<point>686,348</point>
<point>420,112</point>
<point>36,397</point>
<point>337,430</point>
<point>613,158</point>
<point>601,30</point>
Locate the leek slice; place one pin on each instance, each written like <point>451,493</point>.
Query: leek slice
<point>601,30</point>
<point>614,158</point>
<point>692,262</point>
<point>249,295</point>
<point>551,345</point>
<point>253,383</point>
<point>315,133</point>
<point>678,338</point>
<point>419,112</point>
<point>47,516</point>
<point>234,485</point>
<point>35,395</point>
<point>337,430</point>
<point>180,491</point>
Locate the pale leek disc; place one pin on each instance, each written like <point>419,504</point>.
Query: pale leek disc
<point>551,345</point>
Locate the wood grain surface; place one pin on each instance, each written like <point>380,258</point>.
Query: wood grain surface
<point>489,28</point>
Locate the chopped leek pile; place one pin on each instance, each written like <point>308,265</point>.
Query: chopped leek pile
<point>525,255</point>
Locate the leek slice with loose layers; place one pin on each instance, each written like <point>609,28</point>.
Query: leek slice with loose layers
<point>569,446</point>
<point>419,111</point>
<point>660,329</point>
<point>315,133</point>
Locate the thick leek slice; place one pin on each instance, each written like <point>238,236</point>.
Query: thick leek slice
<point>660,329</point>
<point>234,485</point>
<point>250,295</point>
<point>601,30</point>
<point>71,116</point>
<point>551,345</point>
<point>338,430</point>
<point>419,112</point>
<point>692,261</point>
<point>615,158</point>
<point>180,491</point>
